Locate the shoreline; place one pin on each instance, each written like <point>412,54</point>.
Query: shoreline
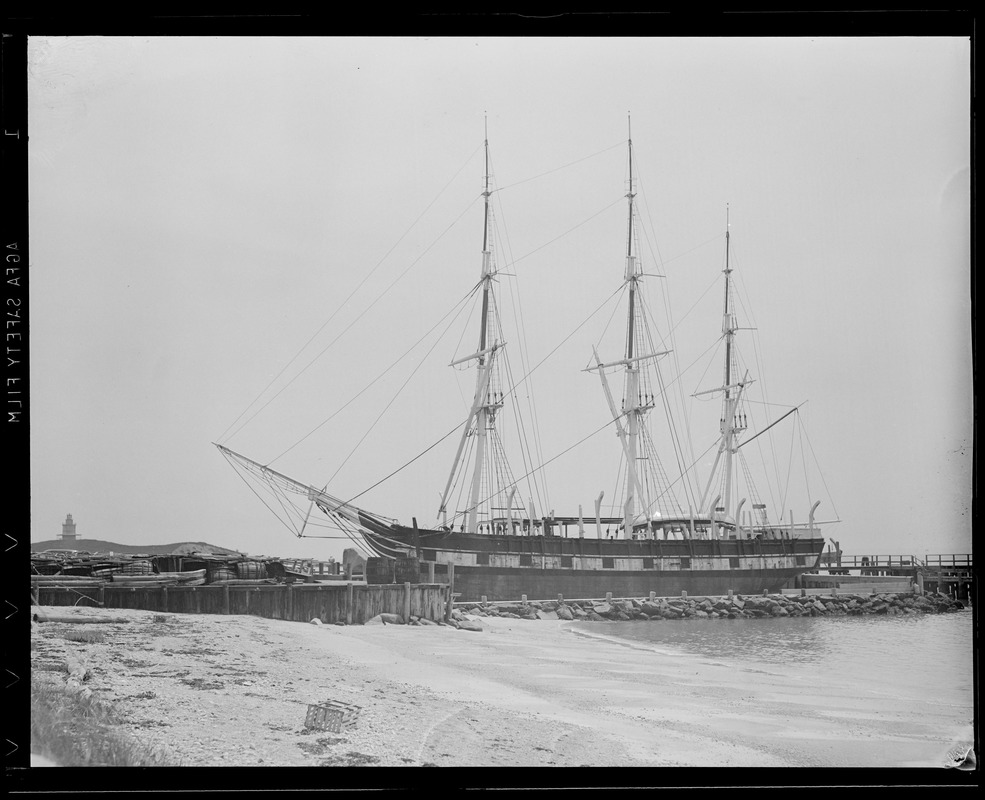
<point>234,691</point>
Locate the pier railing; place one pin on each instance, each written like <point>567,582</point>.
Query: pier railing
<point>949,561</point>
<point>944,572</point>
<point>859,562</point>
<point>934,561</point>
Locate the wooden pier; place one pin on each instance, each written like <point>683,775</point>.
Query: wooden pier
<point>352,602</point>
<point>347,603</point>
<point>948,573</point>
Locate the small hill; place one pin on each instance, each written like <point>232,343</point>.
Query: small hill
<point>100,546</point>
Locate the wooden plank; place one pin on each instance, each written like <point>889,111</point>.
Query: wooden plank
<point>42,617</point>
<point>451,590</point>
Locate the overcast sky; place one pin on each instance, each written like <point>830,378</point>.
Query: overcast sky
<point>200,208</point>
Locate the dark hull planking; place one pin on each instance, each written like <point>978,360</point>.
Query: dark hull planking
<point>502,567</point>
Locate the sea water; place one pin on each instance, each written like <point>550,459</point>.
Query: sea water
<point>917,669</point>
<point>906,656</point>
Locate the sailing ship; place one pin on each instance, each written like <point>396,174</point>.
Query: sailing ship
<point>502,550</point>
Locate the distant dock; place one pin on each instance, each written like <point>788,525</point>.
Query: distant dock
<point>947,573</point>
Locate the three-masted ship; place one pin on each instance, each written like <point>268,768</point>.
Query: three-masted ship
<point>502,549</point>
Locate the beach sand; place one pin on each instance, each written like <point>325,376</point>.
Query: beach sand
<point>234,690</point>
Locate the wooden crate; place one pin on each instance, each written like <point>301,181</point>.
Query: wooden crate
<point>331,715</point>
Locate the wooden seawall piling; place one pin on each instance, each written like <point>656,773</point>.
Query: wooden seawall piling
<point>348,603</point>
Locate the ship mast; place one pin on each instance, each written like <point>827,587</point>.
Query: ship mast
<point>732,422</point>
<point>483,412</point>
<point>634,404</point>
<point>482,416</point>
<point>631,402</point>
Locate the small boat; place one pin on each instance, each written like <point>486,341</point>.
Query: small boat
<point>65,580</point>
<point>194,577</point>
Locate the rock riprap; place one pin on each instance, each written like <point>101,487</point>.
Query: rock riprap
<point>732,607</point>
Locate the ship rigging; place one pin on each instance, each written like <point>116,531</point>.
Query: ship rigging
<point>482,509</point>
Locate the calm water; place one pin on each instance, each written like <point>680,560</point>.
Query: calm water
<point>915,658</point>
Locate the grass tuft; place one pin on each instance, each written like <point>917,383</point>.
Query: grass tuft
<point>76,732</point>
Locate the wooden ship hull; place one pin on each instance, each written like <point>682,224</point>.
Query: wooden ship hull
<point>505,567</point>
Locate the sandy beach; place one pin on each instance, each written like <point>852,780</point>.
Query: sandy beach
<point>234,691</point>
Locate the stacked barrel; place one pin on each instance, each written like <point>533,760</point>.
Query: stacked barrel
<point>251,570</point>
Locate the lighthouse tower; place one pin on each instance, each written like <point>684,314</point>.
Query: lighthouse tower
<point>68,530</point>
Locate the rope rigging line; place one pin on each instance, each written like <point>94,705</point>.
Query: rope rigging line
<point>820,472</point>
<point>563,166</point>
<point>679,396</point>
<point>803,459</point>
<point>664,395</point>
<point>458,345</point>
<point>363,313</point>
<point>742,296</point>
<point>653,475</point>
<point>616,504</point>
<point>674,325</point>
<point>776,405</point>
<point>351,294</point>
<point>403,386</point>
<point>540,363</point>
<point>355,536</point>
<point>559,345</point>
<point>705,243</point>
<point>407,464</point>
<point>773,475</point>
<point>280,493</point>
<point>651,243</point>
<point>534,488</point>
<point>677,380</point>
<point>520,318</point>
<point>774,422</point>
<point>525,450</point>
<point>770,477</point>
<point>384,372</point>
<point>262,500</point>
<point>356,539</point>
<point>694,305</point>
<point>573,228</point>
<point>622,289</point>
<point>352,534</point>
<point>651,239</point>
<point>680,375</point>
<point>460,484</point>
<point>693,465</point>
<point>754,496</point>
<point>786,486</point>
<point>664,487</point>
<point>550,460</point>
